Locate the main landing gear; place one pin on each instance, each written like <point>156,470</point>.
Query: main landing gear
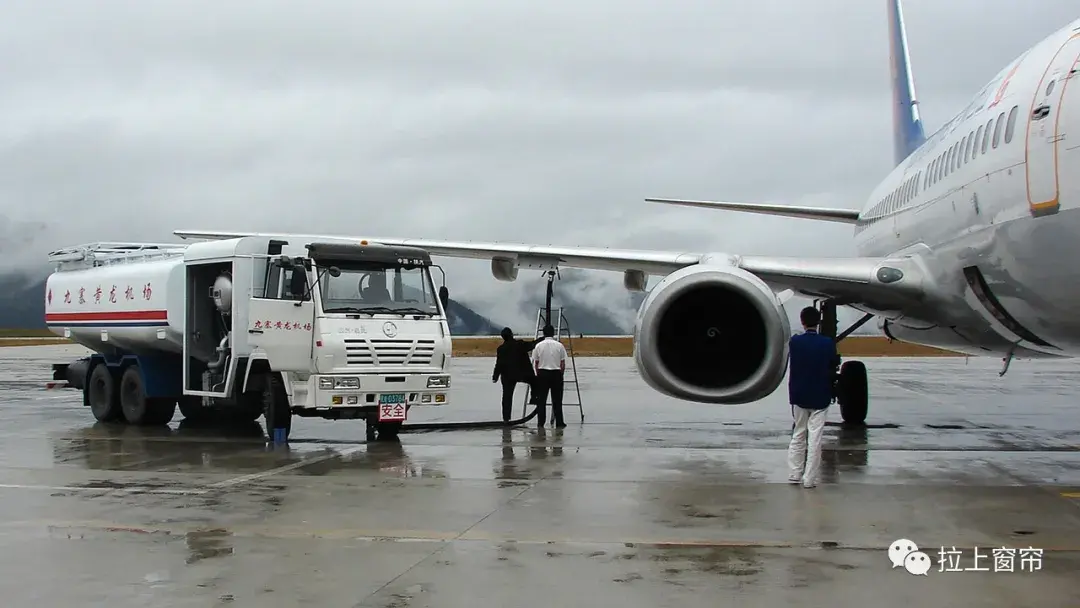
<point>850,385</point>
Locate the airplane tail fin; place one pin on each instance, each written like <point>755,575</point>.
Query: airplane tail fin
<point>908,131</point>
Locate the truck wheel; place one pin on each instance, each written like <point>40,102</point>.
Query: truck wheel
<point>102,394</point>
<point>140,409</point>
<point>276,411</point>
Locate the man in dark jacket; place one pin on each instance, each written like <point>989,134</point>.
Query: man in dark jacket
<point>512,365</point>
<point>812,368</point>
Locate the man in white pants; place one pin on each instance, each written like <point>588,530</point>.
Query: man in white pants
<point>812,367</point>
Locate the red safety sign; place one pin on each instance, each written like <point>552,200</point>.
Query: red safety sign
<point>391,412</point>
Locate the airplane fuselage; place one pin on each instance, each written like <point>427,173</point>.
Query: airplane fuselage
<point>991,204</point>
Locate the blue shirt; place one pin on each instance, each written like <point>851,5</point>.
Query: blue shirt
<point>813,360</point>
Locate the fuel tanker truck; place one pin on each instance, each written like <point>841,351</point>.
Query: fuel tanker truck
<point>267,325</point>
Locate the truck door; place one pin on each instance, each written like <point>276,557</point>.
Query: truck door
<point>281,323</point>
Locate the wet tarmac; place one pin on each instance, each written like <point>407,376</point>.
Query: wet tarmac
<point>650,502</point>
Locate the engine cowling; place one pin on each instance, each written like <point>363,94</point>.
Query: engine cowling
<point>712,334</point>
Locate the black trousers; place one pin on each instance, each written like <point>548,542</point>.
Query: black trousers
<point>549,381</point>
<point>508,386</point>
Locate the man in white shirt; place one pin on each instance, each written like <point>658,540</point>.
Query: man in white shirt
<point>549,362</point>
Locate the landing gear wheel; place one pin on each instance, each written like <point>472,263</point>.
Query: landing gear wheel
<point>276,410</point>
<point>103,396</point>
<point>137,407</point>
<point>852,393</point>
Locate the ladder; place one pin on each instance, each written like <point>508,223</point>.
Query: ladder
<point>571,377</point>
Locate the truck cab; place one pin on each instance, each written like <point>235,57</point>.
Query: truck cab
<point>356,330</point>
<point>380,337</point>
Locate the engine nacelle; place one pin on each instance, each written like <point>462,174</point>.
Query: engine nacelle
<point>712,334</point>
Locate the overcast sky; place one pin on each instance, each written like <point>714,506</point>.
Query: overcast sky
<point>471,119</point>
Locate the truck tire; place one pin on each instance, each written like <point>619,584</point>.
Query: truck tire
<point>102,394</point>
<point>140,409</point>
<point>276,410</point>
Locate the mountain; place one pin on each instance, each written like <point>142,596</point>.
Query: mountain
<point>589,308</point>
<point>22,302</point>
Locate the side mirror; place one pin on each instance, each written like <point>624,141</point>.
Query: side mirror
<point>334,271</point>
<point>298,283</point>
<point>444,297</point>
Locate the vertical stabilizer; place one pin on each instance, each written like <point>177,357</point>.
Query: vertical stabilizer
<point>907,125</point>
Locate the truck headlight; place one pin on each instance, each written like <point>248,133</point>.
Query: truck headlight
<point>347,382</point>
<point>438,382</point>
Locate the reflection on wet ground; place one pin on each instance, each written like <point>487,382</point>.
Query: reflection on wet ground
<point>653,502</point>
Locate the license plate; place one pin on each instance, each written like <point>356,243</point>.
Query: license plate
<point>392,398</point>
<point>392,412</point>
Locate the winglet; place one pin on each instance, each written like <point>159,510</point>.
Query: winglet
<point>908,133</point>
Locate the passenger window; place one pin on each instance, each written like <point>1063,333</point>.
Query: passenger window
<point>997,130</point>
<point>986,136</point>
<point>960,152</point>
<point>1010,126</point>
<point>967,151</point>
<point>1049,89</point>
<point>978,138</point>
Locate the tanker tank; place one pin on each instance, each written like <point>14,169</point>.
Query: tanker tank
<point>137,306</point>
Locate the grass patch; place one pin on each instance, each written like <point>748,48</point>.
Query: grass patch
<point>33,341</point>
<point>26,333</point>
<point>853,346</point>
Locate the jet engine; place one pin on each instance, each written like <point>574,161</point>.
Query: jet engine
<point>712,334</point>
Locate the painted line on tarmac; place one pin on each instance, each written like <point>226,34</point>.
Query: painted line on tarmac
<point>228,483</point>
<point>403,536</point>
<point>128,489</point>
<point>1070,494</point>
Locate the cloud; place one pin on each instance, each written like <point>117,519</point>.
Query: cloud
<point>477,119</point>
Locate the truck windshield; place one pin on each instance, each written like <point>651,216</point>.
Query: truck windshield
<point>378,288</point>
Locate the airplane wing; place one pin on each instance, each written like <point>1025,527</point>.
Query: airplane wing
<point>878,283</point>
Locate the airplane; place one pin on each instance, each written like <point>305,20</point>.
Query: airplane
<point>957,247</point>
